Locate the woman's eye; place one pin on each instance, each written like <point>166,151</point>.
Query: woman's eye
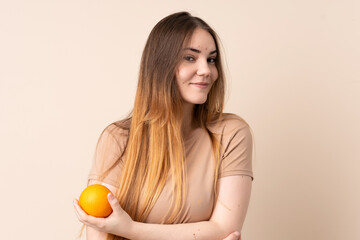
<point>189,58</point>
<point>212,60</point>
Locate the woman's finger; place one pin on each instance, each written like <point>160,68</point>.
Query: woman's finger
<point>85,218</point>
<point>79,212</point>
<point>114,203</point>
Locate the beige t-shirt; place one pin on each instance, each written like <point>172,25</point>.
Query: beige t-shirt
<point>236,152</point>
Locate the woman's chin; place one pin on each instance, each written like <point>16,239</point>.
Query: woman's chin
<point>196,101</point>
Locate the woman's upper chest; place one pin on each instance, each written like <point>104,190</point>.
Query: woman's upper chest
<point>200,183</point>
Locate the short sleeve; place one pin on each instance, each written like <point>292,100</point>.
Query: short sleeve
<point>237,154</point>
<point>107,164</point>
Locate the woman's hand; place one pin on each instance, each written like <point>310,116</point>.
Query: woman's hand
<point>118,222</point>
<point>233,236</point>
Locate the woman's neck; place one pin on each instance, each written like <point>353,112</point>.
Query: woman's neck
<point>187,121</point>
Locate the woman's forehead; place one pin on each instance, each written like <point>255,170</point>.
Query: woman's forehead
<point>201,40</point>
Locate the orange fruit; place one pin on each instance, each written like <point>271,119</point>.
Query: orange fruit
<point>93,200</point>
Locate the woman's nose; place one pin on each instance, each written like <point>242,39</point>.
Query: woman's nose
<point>203,68</point>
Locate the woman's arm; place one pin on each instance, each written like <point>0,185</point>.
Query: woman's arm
<point>227,217</point>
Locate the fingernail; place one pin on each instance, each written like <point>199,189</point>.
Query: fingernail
<point>237,234</point>
<point>110,195</point>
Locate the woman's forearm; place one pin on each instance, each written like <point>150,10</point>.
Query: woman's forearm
<point>227,217</point>
<point>206,230</point>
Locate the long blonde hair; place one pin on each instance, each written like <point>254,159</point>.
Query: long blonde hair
<point>155,147</point>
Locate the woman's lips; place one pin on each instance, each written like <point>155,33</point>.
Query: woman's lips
<point>200,85</point>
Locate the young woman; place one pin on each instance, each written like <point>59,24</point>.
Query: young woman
<point>178,167</point>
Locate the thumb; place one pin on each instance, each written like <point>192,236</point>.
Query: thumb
<point>114,203</point>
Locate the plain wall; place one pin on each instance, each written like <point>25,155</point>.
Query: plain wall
<point>69,68</point>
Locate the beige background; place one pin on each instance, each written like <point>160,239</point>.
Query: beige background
<point>68,68</point>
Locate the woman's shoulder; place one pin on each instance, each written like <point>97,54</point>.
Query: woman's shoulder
<point>229,122</point>
<point>119,130</point>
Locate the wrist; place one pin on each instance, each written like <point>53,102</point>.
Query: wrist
<point>130,231</point>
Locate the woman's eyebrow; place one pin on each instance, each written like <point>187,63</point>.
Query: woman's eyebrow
<point>198,51</point>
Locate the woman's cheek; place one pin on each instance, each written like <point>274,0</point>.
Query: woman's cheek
<point>215,77</point>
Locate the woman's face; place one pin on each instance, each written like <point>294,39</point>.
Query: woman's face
<point>197,71</point>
